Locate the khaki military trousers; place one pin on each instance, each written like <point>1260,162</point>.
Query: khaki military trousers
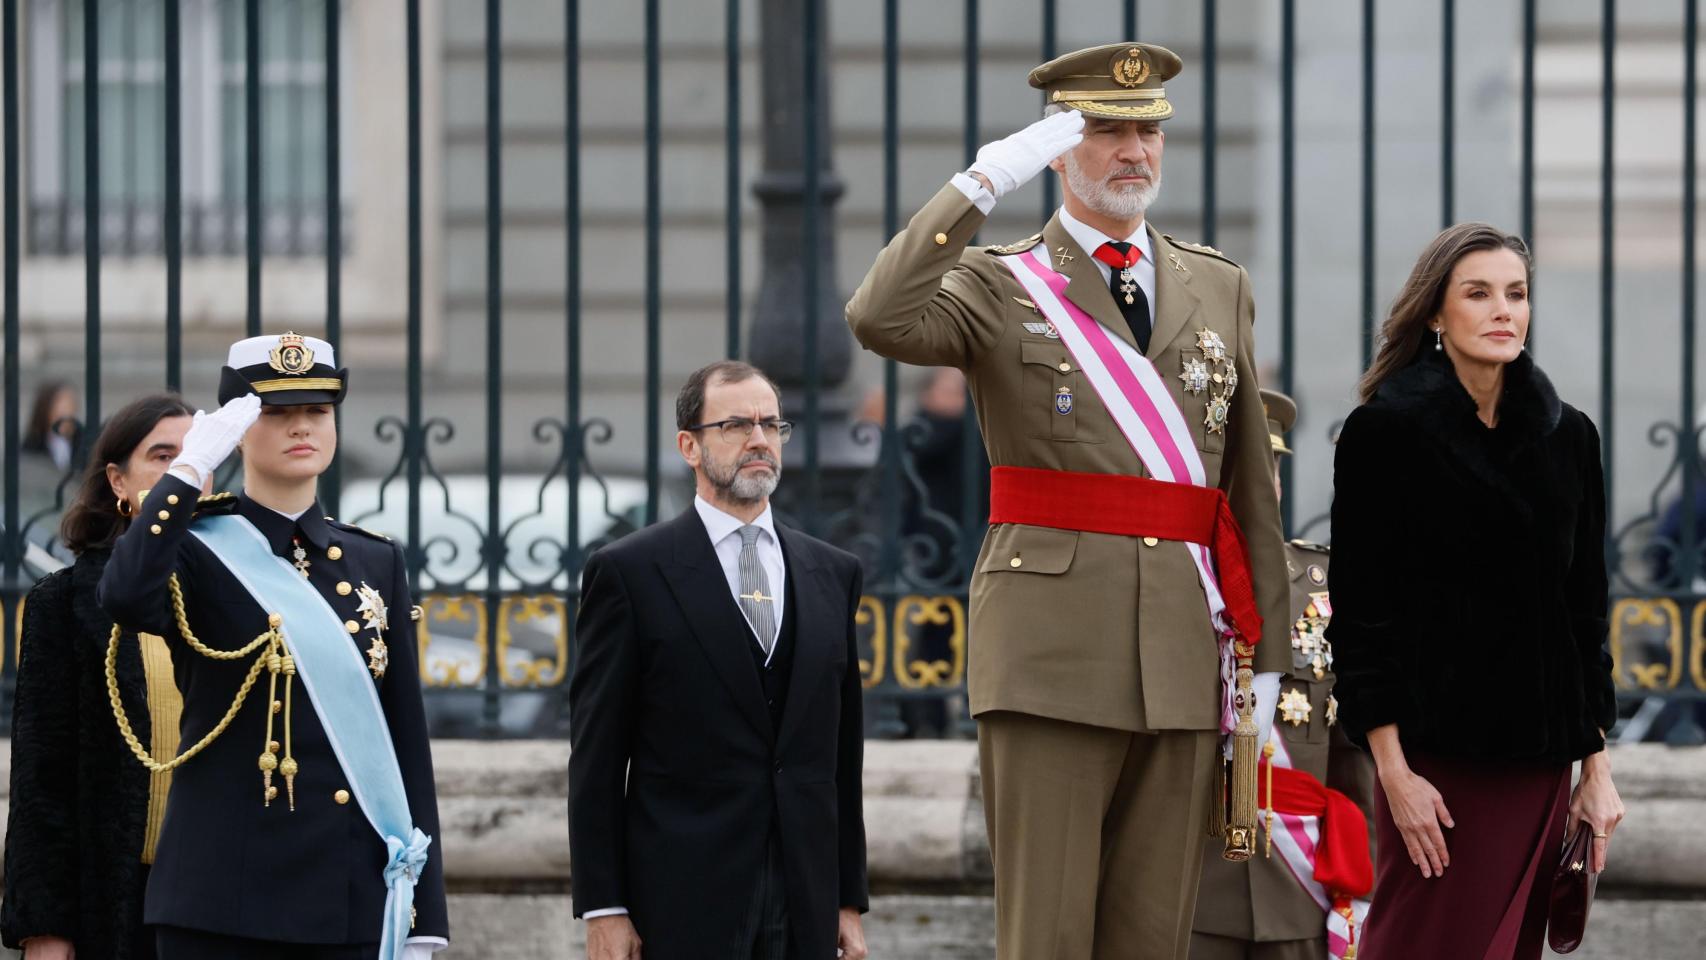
<point>1206,946</point>
<point>1097,837</point>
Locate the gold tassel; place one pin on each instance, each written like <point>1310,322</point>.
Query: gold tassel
<point>1241,827</point>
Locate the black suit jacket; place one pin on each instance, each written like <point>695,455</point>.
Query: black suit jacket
<point>226,863</point>
<point>676,770</point>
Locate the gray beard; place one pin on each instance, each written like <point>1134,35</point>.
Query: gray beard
<point>1125,204</point>
<point>738,488</point>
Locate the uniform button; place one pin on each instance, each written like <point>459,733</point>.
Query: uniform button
<point>343,588</point>
<point>341,797</point>
<point>155,529</point>
<point>352,626</point>
<point>941,239</point>
<point>1015,562</point>
<point>1150,541</point>
<point>172,499</point>
<point>1065,367</point>
<point>277,705</point>
<point>164,514</point>
<point>334,553</point>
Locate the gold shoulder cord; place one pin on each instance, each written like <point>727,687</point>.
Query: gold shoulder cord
<point>274,657</point>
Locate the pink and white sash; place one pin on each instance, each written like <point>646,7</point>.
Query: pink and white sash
<point>1295,839</point>
<point>1136,397</point>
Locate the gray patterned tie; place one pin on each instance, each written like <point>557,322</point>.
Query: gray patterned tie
<point>755,598</point>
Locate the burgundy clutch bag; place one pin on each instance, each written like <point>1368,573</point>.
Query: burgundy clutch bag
<point>1572,893</point>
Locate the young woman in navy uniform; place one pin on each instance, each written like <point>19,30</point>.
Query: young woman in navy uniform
<point>268,847</point>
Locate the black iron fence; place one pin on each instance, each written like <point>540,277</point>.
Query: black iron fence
<point>497,568</point>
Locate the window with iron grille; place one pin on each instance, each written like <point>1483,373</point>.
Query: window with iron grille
<point>132,80</point>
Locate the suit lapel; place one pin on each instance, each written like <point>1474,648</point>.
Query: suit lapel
<point>696,578</point>
<point>1085,286</point>
<point>1175,301</point>
<point>814,617</point>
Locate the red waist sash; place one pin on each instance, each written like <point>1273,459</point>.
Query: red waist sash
<point>1342,863</point>
<point>1135,507</point>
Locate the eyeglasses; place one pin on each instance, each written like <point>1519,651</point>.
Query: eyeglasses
<point>738,429</point>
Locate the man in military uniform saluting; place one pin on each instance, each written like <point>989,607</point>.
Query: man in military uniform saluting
<point>1111,370</point>
<point>302,822</point>
<point>1275,906</point>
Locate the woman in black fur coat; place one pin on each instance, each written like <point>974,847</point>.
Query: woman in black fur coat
<point>83,810</point>
<point>1469,620</point>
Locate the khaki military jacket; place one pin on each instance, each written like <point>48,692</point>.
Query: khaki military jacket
<point>1090,628</point>
<point>1261,900</point>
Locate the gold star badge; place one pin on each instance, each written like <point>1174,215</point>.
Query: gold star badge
<point>1294,707</point>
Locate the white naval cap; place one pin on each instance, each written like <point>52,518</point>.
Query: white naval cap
<point>283,370</point>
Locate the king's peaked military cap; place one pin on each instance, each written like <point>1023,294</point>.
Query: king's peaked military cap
<point>284,370</point>
<point>1115,81</point>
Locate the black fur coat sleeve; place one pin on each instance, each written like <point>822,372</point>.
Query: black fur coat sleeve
<point>79,800</point>
<point>41,825</point>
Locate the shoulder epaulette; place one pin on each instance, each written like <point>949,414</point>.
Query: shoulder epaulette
<point>1198,248</point>
<point>216,503</point>
<point>1311,546</point>
<point>1017,246</point>
<point>341,525</point>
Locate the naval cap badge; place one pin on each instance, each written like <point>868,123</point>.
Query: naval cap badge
<point>291,355</point>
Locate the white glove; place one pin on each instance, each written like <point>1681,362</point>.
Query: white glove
<point>212,436</point>
<point>420,950</point>
<point>1266,687</point>
<point>1011,163</point>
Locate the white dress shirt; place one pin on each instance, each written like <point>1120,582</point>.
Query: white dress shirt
<point>724,531</point>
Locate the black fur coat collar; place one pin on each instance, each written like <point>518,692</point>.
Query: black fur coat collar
<point>1428,394</point>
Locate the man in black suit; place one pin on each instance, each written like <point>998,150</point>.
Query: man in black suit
<point>715,805</point>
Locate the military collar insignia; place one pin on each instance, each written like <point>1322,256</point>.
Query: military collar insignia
<point>291,355</point>
<point>1042,330</point>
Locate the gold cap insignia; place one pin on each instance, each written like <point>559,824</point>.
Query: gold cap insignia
<point>291,355</point>
<point>1129,69</point>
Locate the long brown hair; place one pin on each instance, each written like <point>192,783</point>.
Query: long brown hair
<point>92,521</point>
<point>1404,334</point>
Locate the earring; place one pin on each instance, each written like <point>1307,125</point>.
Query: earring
<point>1439,340</point>
<point>125,508</point>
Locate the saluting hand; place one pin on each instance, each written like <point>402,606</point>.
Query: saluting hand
<point>1595,802</point>
<point>1008,164</point>
<point>212,436</point>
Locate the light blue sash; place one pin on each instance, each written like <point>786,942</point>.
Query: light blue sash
<point>343,695</point>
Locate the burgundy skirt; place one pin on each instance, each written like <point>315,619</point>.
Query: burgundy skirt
<point>1491,902</point>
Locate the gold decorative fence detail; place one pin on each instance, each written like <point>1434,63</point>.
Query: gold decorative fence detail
<point>538,671</point>
<point>1642,627</point>
<point>935,624</point>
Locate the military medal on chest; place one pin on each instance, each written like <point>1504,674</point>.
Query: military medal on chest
<point>1309,637</point>
<point>1294,707</point>
<point>299,557</point>
<point>1213,373</point>
<point>1128,284</point>
<point>373,613</point>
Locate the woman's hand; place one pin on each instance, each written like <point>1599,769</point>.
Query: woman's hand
<point>1595,802</point>
<point>1419,811</point>
<point>1417,808</point>
<point>49,948</point>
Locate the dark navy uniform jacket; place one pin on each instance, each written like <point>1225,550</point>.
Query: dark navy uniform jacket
<point>228,863</point>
